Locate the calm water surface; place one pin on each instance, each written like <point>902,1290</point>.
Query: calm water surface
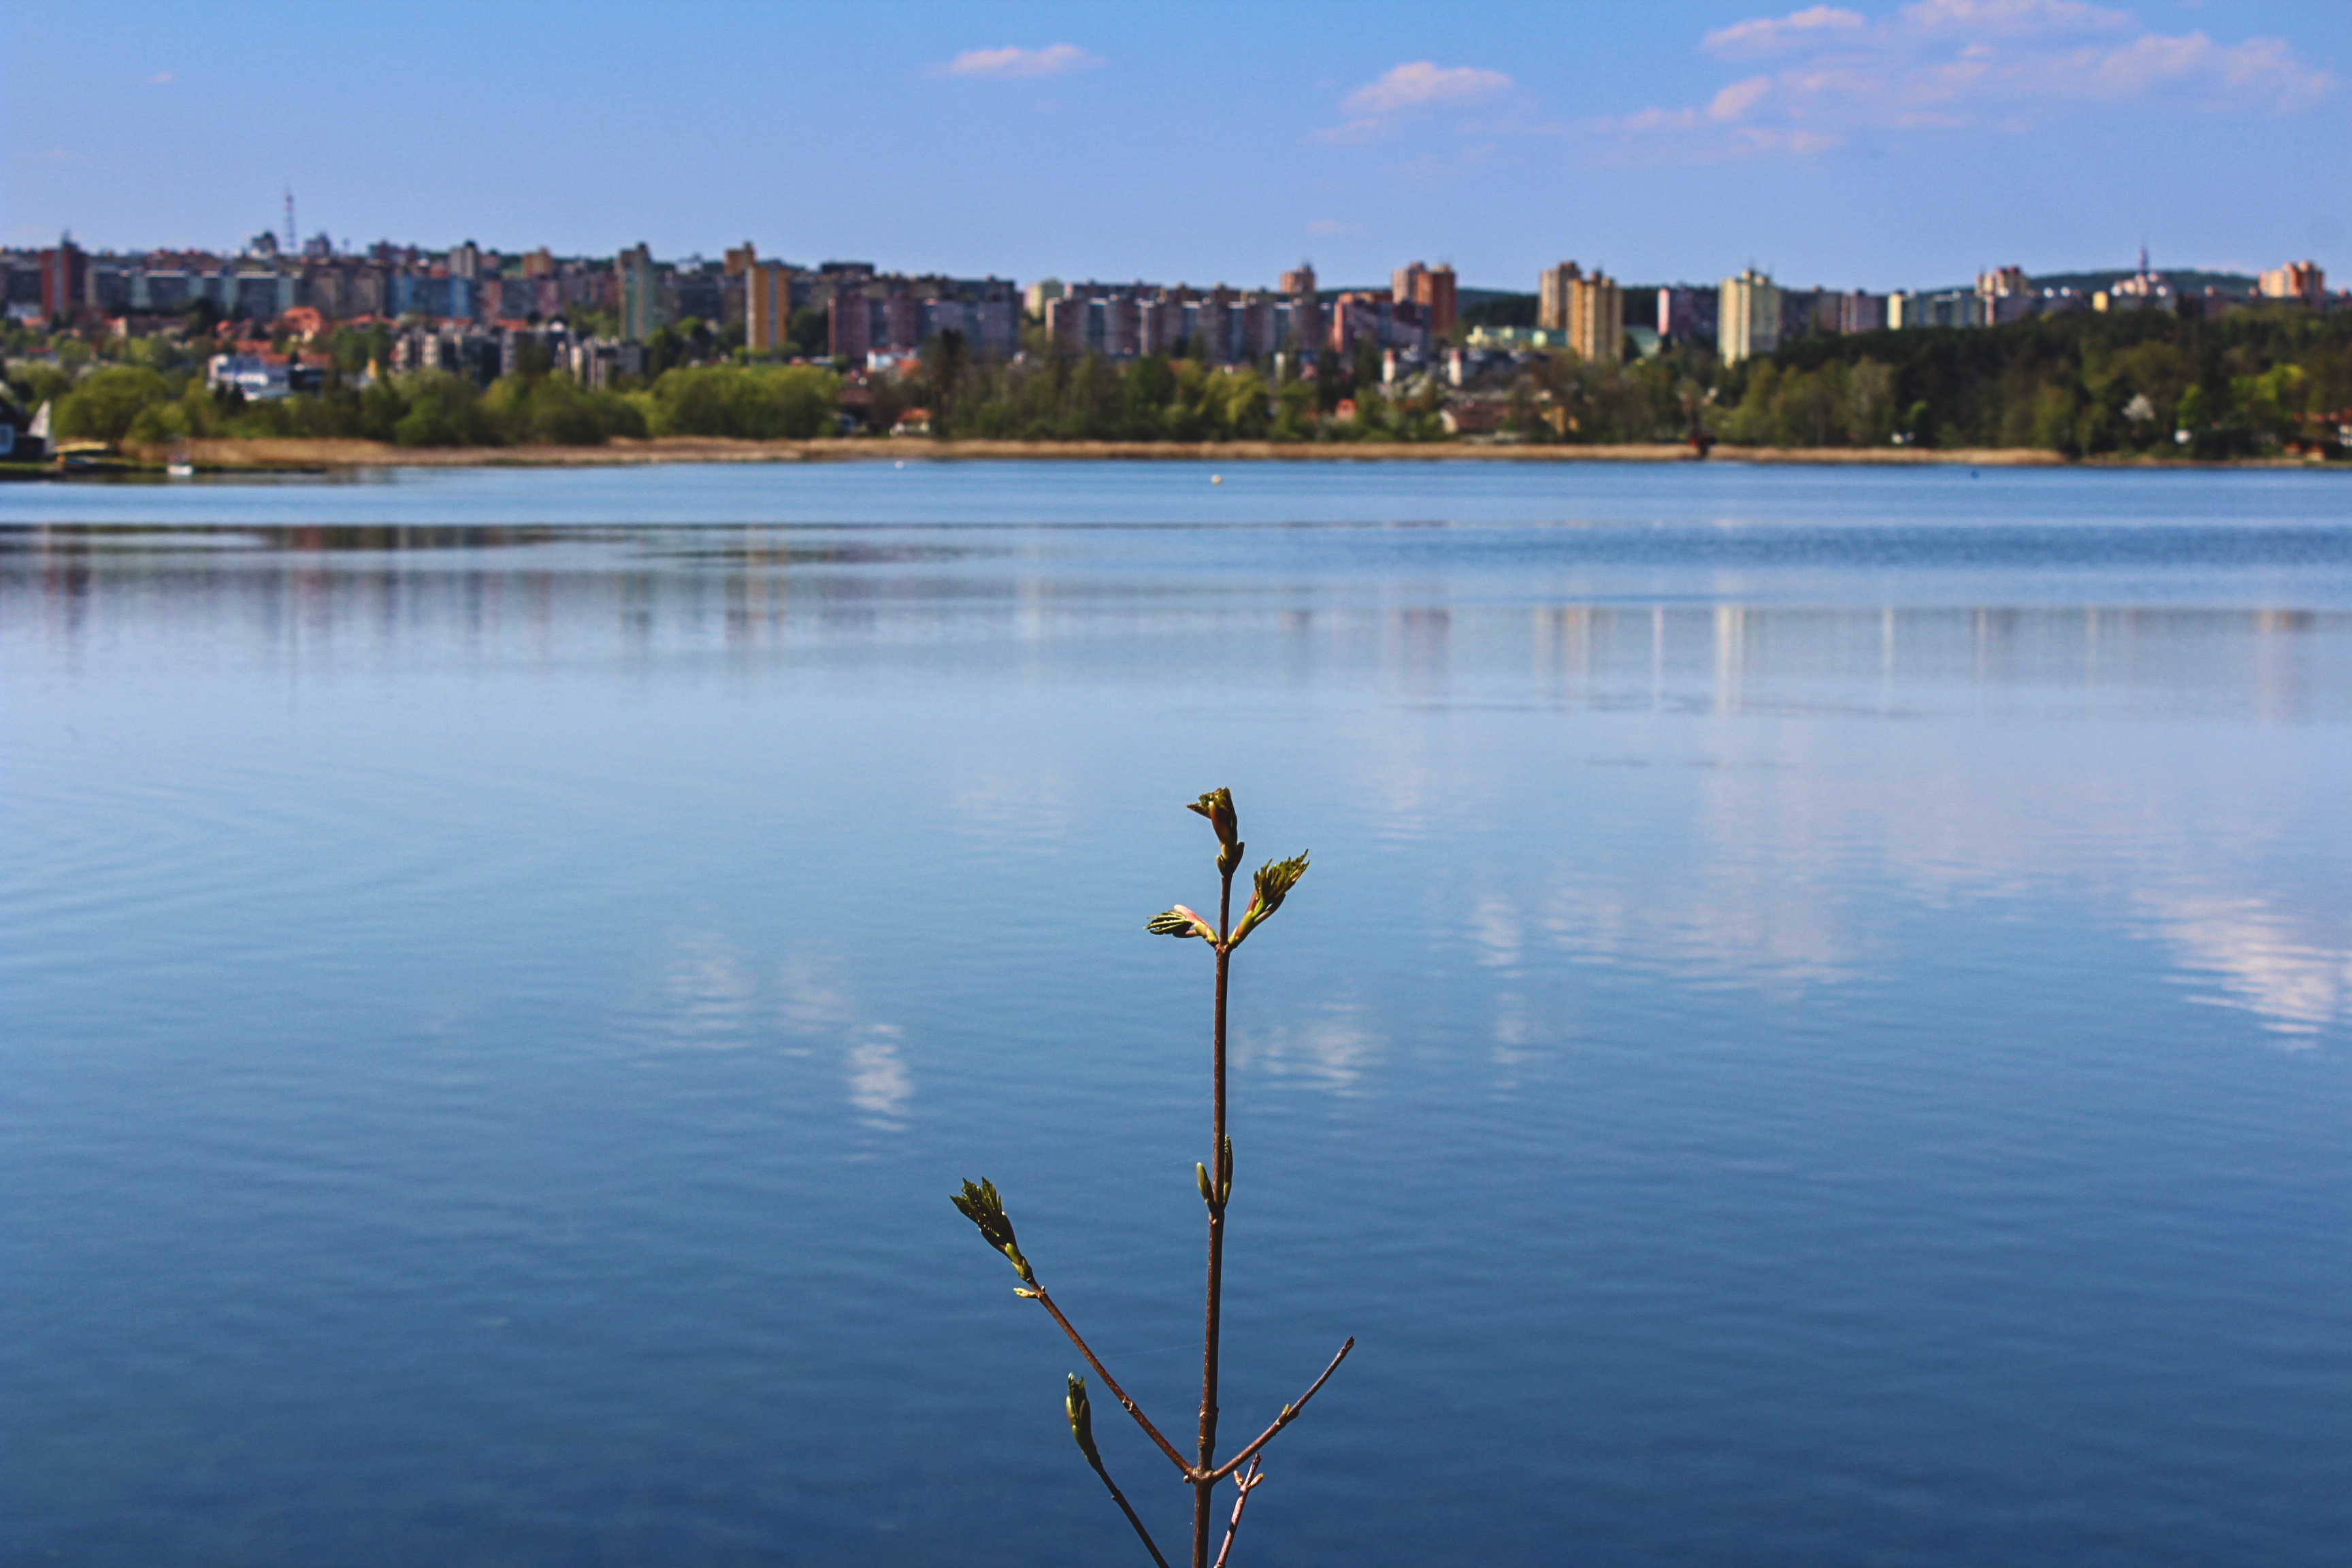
<point>1819,1030</point>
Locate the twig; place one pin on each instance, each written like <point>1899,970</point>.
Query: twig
<point>1121,1498</point>
<point>1212,1328</point>
<point>1112,1384</point>
<point>1248,1484</point>
<point>1289,1414</point>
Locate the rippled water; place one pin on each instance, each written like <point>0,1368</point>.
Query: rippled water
<point>1818,1030</point>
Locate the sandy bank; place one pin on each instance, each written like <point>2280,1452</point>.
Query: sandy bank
<point>334,454</point>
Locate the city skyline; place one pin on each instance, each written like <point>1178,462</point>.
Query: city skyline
<point>1865,146</point>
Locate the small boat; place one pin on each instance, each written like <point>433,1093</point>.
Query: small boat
<point>179,468</point>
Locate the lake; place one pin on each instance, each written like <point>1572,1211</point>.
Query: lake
<point>1819,1029</point>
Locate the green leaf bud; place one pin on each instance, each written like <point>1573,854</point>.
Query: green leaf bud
<point>1179,922</point>
<point>1274,882</point>
<point>1082,1419</point>
<point>980,1204</point>
<point>1217,806</point>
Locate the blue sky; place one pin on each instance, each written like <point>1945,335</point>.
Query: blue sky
<point>1855,144</point>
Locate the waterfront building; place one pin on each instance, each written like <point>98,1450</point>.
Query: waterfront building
<point>1431,288</point>
<point>767,305</point>
<point>641,314</point>
<point>259,378</point>
<point>1515,340</point>
<point>1373,314</point>
<point>1686,313</point>
<point>1748,316</point>
<point>1596,318</point>
<point>898,315</point>
<point>1552,284</point>
<point>61,278</point>
<point>1305,307</point>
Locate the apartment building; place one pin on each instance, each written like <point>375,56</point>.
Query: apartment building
<point>767,305</point>
<point>2303,280</point>
<point>641,313</point>
<point>1748,316</point>
<point>1433,288</point>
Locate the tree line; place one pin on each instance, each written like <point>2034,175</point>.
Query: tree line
<point>156,397</point>
<point>2083,385</point>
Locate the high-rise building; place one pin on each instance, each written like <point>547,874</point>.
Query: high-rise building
<point>1405,283</point>
<point>1686,313</point>
<point>1596,318</point>
<point>1952,307</point>
<point>640,294</point>
<point>2295,280</point>
<point>767,306</point>
<point>466,261</point>
<point>1747,318</point>
<point>849,323</point>
<point>1854,312</point>
<point>62,272</point>
<point>1388,324</point>
<point>537,263</point>
<point>1552,284</point>
<point>1431,288</point>
<point>740,259</point>
<point>2005,294</point>
<point>1306,306</point>
<point>2003,281</point>
<point>1041,293</point>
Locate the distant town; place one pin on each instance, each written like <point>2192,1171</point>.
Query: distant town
<point>1421,357</point>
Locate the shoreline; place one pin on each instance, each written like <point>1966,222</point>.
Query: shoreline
<point>304,454</point>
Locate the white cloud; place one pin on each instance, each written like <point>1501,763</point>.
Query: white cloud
<point>161,78</point>
<point>1056,59</point>
<point>1768,36</point>
<point>1424,83</point>
<point>1960,64</point>
<point>1379,106</point>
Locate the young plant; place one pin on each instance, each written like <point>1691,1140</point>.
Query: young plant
<point>981,1204</point>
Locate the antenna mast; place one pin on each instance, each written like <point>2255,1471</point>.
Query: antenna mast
<point>293,244</point>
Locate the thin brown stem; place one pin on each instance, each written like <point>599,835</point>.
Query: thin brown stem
<point>1248,1483</point>
<point>1212,1311</point>
<point>1289,1414</point>
<point>1112,1384</point>
<point>1120,1497</point>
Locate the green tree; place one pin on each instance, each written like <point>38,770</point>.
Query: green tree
<point>444,410</point>
<point>104,404</point>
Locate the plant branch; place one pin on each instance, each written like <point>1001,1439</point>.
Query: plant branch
<point>1228,860</point>
<point>1112,1384</point>
<point>1121,1498</point>
<point>1248,1484</point>
<point>1289,1414</point>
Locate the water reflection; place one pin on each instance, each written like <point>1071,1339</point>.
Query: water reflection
<point>529,596</point>
<point>1816,935</point>
<point>1768,878</point>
